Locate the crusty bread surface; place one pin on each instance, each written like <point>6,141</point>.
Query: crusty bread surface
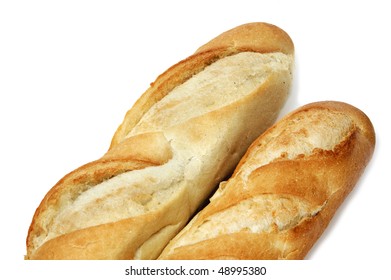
<point>285,190</point>
<point>183,136</point>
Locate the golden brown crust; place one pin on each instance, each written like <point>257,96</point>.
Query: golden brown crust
<point>223,134</point>
<point>258,37</point>
<point>321,179</point>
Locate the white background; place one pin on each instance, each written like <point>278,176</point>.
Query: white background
<point>69,70</point>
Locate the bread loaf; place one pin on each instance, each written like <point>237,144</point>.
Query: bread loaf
<point>180,139</point>
<point>285,190</point>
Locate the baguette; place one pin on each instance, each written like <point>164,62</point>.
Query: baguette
<point>179,140</point>
<point>285,190</point>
